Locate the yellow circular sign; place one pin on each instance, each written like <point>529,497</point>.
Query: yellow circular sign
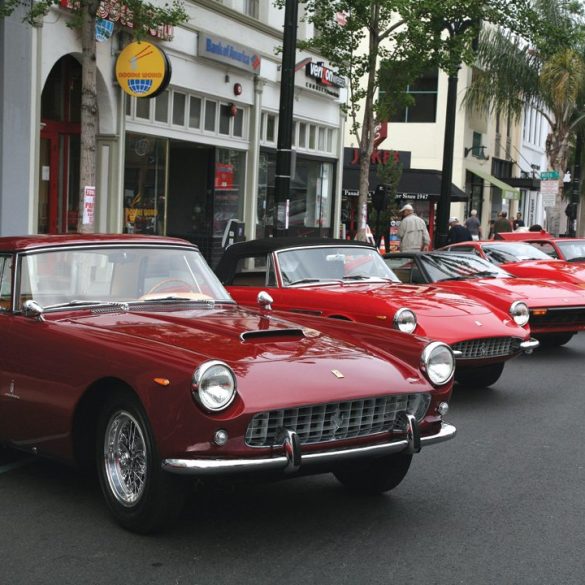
<point>143,70</point>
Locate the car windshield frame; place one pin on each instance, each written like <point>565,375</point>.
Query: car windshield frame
<point>459,267</point>
<point>572,250</point>
<point>515,251</point>
<point>339,264</point>
<point>115,275</point>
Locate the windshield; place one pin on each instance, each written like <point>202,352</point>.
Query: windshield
<point>117,274</point>
<point>332,263</point>
<point>573,250</point>
<point>513,252</point>
<point>449,267</point>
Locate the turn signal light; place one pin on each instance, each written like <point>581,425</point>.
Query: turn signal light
<point>539,312</point>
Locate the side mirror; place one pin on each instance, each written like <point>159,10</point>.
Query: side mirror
<point>34,310</point>
<point>265,300</point>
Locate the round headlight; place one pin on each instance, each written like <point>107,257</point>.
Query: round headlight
<point>214,385</point>
<point>520,313</point>
<point>405,320</point>
<point>438,362</point>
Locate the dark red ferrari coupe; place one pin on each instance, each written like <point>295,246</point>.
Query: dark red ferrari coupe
<point>567,249</point>
<point>522,259</point>
<point>349,281</point>
<point>557,309</point>
<point>127,354</point>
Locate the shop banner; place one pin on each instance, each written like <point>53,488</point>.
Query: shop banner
<point>88,205</point>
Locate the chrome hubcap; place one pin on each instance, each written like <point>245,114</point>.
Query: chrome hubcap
<point>125,458</point>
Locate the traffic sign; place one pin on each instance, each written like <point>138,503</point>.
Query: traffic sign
<point>549,175</point>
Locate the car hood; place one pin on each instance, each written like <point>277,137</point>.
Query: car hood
<point>425,300</point>
<point>254,345</point>
<point>548,269</point>
<point>535,293</point>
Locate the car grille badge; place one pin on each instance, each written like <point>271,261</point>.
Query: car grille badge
<point>479,323</point>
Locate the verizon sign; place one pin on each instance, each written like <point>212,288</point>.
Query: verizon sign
<point>324,75</point>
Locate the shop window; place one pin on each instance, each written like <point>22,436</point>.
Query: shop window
<point>143,108</point>
<point>228,187</point>
<point>210,109</point>
<point>239,123</point>
<point>302,135</point>
<point>224,119</point>
<point>179,100</point>
<point>312,132</point>
<point>329,140</point>
<point>144,184</point>
<point>270,128</point>
<point>310,205</point>
<point>322,134</point>
<point>161,108</point>
<point>194,112</point>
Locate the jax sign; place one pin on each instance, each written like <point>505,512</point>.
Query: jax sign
<point>143,70</point>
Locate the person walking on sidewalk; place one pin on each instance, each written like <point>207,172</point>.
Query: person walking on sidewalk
<point>473,224</point>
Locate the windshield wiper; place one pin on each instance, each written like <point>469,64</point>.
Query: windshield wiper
<point>576,259</point>
<point>304,280</point>
<point>95,303</point>
<point>357,277</point>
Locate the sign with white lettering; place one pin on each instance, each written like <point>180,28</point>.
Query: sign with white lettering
<point>549,190</point>
<point>225,51</point>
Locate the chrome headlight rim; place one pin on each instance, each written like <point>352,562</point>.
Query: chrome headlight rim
<point>199,379</point>
<point>426,365</point>
<point>520,318</point>
<point>401,314</point>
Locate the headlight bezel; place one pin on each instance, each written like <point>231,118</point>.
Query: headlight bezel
<point>426,366</point>
<point>198,382</point>
<point>400,314</point>
<point>517,318</point>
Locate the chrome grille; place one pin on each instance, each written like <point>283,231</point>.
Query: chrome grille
<point>336,420</point>
<point>488,347</point>
<point>557,317</point>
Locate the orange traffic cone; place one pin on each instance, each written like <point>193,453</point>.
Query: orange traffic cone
<point>382,246</point>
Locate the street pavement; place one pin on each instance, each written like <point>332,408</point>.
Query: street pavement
<point>503,503</point>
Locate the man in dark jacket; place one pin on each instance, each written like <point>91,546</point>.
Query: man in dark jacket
<point>457,232</point>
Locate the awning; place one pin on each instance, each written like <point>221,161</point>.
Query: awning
<point>508,192</point>
<point>414,185</point>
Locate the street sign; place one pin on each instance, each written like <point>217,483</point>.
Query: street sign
<point>549,175</point>
<point>549,190</point>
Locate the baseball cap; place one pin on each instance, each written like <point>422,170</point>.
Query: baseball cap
<point>453,220</point>
<point>407,207</point>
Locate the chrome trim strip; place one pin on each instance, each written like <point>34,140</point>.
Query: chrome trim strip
<point>281,462</point>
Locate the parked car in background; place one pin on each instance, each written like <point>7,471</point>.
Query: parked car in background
<point>557,309</point>
<point>568,249</point>
<point>349,281</point>
<point>522,259</point>
<point>125,352</point>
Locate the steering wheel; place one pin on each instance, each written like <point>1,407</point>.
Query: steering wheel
<point>185,290</point>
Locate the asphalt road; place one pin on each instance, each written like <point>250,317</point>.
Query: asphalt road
<point>503,503</point>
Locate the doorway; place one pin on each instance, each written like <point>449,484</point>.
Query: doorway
<point>58,209</point>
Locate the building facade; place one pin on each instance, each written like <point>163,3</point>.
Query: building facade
<point>183,163</point>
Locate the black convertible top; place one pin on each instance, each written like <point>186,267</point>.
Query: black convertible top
<point>228,262</point>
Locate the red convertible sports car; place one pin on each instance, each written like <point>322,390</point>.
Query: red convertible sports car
<point>349,281</point>
<point>557,309</point>
<point>522,259</point>
<point>127,354</point>
<point>568,249</point>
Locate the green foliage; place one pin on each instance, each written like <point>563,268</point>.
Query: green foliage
<point>144,15</point>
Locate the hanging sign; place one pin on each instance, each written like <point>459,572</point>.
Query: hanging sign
<point>143,70</point>
<point>88,205</point>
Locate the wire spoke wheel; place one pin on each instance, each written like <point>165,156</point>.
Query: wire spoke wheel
<point>125,458</point>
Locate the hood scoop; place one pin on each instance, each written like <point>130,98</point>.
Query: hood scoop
<point>264,333</point>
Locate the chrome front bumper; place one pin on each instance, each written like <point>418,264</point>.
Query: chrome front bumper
<point>292,458</point>
<point>530,345</point>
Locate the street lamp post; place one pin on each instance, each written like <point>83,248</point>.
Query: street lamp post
<point>444,205</point>
<point>285,113</point>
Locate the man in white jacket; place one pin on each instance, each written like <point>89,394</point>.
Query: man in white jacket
<point>413,232</point>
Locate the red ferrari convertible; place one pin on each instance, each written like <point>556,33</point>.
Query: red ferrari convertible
<point>349,281</point>
<point>522,259</point>
<point>557,309</point>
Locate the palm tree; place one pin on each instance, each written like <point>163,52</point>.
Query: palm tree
<point>547,74</point>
